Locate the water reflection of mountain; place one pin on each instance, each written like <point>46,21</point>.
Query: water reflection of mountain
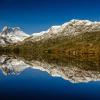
<point>12,65</point>
<point>73,70</point>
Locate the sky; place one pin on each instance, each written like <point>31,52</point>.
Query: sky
<point>38,15</point>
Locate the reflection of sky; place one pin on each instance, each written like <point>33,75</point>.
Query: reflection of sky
<point>38,15</point>
<point>39,85</point>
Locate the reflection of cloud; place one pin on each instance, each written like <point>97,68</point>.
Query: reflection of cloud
<point>10,65</point>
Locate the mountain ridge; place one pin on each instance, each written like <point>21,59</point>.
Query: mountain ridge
<point>69,29</point>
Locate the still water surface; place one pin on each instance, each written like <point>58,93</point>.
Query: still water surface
<point>20,81</point>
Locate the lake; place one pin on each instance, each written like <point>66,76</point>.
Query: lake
<point>22,79</point>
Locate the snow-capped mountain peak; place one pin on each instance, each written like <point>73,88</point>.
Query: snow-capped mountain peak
<point>12,35</point>
<point>5,28</point>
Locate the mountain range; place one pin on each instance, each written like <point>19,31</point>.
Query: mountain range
<point>71,28</point>
<point>68,29</point>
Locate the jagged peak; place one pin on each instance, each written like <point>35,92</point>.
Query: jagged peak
<point>5,28</point>
<point>11,35</point>
<point>11,28</point>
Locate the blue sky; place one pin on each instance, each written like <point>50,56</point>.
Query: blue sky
<point>38,15</point>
